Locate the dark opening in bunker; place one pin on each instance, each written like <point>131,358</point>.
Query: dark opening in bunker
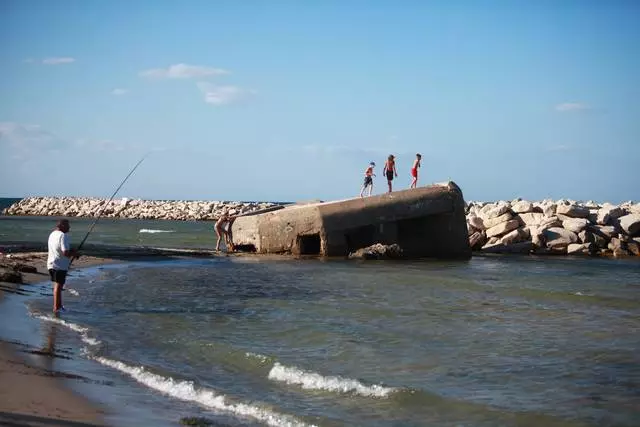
<point>309,244</point>
<point>245,248</point>
<point>360,237</point>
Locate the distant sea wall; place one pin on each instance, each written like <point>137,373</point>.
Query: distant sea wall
<point>178,210</point>
<point>554,227</point>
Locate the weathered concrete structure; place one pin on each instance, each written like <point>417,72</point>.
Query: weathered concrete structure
<point>425,222</point>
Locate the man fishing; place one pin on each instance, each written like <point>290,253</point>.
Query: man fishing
<point>59,260</point>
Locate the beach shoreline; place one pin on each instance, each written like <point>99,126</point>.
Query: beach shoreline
<point>31,394</point>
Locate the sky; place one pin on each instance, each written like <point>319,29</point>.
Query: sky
<point>290,100</point>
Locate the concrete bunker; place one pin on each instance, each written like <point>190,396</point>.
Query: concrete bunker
<point>425,222</point>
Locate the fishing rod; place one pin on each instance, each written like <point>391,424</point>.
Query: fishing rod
<point>105,206</point>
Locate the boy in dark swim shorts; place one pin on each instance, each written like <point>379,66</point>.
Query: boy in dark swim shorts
<point>390,170</point>
<point>368,179</point>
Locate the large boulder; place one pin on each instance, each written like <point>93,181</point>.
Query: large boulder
<point>607,213</point>
<point>575,224</point>
<point>476,222</point>
<point>492,222</point>
<point>515,236</point>
<point>550,222</point>
<point>557,237</point>
<point>503,228</point>
<point>634,248</point>
<point>513,248</point>
<point>492,211</point>
<point>477,240</point>
<point>630,224</point>
<point>606,231</point>
<point>573,211</point>
<point>522,207</point>
<point>378,251</point>
<point>531,218</point>
<point>579,249</point>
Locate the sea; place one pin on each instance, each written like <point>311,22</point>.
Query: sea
<point>271,341</point>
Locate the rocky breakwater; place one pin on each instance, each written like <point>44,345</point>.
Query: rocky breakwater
<point>177,210</point>
<point>548,227</point>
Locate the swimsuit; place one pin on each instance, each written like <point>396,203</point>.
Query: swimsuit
<point>390,167</point>
<point>414,172</point>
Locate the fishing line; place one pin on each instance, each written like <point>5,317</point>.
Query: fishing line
<point>73,291</point>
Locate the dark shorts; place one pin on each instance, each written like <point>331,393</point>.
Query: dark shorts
<point>58,276</point>
<point>368,181</point>
<point>390,175</point>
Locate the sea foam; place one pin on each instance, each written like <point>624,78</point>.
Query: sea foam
<point>186,391</point>
<point>315,381</point>
<point>152,231</point>
<point>84,332</point>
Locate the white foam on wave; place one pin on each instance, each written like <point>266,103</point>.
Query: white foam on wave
<point>185,390</point>
<point>84,332</point>
<point>152,231</point>
<point>315,381</point>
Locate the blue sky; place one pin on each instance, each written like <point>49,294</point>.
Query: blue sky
<point>289,100</point>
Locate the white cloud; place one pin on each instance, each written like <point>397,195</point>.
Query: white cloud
<point>222,95</point>
<point>183,71</point>
<point>572,106</point>
<point>119,92</point>
<point>24,140</point>
<point>58,60</point>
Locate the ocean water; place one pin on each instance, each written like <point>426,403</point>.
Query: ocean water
<point>119,232</point>
<point>253,341</point>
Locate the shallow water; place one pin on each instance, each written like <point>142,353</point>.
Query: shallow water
<point>247,341</point>
<point>509,341</point>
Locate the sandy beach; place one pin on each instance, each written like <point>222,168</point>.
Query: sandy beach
<point>34,396</point>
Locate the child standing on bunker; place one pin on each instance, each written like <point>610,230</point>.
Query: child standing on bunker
<point>368,179</point>
<point>414,170</point>
<point>390,170</point>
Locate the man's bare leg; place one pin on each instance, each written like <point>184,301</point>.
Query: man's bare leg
<point>220,236</point>
<point>57,296</point>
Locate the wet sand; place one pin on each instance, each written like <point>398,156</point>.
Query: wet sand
<point>34,396</point>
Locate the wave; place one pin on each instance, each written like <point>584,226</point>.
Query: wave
<point>315,381</point>
<point>84,332</point>
<point>186,391</point>
<point>152,231</point>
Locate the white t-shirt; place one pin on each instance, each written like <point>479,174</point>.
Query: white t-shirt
<point>58,244</point>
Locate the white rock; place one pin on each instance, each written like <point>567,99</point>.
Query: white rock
<point>503,228</point>
<point>575,224</point>
<point>630,224</point>
<point>522,207</point>
<point>515,236</point>
<point>494,212</point>
<point>556,236</point>
<point>573,211</point>
<point>492,222</point>
<point>531,218</point>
